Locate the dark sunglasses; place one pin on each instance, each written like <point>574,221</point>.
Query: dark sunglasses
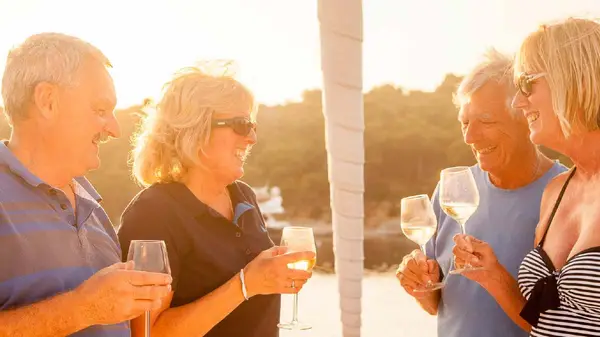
<point>525,83</point>
<point>239,125</point>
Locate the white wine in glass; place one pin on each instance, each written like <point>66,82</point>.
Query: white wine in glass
<point>150,256</point>
<point>298,239</point>
<point>419,223</point>
<point>459,199</point>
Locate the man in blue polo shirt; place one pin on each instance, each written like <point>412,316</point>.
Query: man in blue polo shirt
<point>511,174</point>
<point>61,272</point>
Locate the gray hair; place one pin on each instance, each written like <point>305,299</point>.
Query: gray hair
<point>495,66</point>
<point>46,57</point>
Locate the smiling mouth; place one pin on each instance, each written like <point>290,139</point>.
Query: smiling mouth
<point>486,150</point>
<point>242,154</point>
<point>532,117</point>
<point>100,138</point>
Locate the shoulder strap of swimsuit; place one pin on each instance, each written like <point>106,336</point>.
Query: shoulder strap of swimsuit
<point>558,200</point>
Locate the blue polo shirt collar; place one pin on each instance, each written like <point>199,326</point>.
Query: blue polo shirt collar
<point>7,158</point>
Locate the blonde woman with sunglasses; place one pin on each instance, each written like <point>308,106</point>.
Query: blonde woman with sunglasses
<point>190,154</point>
<point>557,293</point>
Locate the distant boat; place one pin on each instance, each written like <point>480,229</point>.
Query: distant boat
<point>270,203</point>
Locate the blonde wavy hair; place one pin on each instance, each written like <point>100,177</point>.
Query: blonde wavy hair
<point>568,53</point>
<point>172,137</point>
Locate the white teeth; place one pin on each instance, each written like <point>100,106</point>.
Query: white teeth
<point>241,154</point>
<point>532,117</point>
<point>486,150</point>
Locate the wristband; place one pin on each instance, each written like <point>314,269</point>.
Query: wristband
<point>243,284</point>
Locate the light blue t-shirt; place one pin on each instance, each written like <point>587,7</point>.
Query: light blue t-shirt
<point>506,219</point>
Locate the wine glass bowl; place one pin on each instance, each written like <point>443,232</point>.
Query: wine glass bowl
<point>298,239</point>
<point>419,223</point>
<point>149,256</point>
<point>459,199</point>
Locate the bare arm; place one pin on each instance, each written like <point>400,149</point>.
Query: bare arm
<point>57,316</point>
<point>494,278</point>
<point>114,294</point>
<point>505,290</point>
<point>266,274</point>
<point>196,318</point>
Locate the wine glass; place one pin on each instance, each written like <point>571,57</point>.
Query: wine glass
<point>459,198</point>
<point>419,223</point>
<point>298,239</point>
<point>150,256</point>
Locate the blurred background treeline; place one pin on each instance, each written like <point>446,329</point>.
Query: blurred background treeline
<point>409,137</point>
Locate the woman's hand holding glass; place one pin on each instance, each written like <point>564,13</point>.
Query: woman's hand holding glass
<point>297,239</point>
<point>268,273</point>
<point>469,250</point>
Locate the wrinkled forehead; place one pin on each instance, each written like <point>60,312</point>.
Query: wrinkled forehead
<point>487,102</point>
<point>95,80</point>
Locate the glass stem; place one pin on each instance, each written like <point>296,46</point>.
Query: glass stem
<point>148,327</point>
<point>464,232</point>
<point>295,312</point>
<point>425,253</point>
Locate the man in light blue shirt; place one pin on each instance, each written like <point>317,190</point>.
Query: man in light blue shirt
<point>511,174</point>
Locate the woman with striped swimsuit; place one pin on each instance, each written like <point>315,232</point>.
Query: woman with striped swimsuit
<point>557,293</point>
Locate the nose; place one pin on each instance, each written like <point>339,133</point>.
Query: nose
<point>519,101</point>
<point>471,133</point>
<point>251,138</point>
<point>112,126</point>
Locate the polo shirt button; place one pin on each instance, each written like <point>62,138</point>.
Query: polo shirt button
<point>63,206</point>
<point>248,251</point>
<point>238,234</point>
<point>52,192</point>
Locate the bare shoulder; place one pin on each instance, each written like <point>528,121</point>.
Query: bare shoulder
<point>588,209</point>
<point>549,197</point>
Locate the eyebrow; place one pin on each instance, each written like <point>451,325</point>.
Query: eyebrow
<point>484,115</point>
<point>104,102</point>
<point>480,116</point>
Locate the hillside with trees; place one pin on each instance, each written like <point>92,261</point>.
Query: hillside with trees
<point>410,136</point>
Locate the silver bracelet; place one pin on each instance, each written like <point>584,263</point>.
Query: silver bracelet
<point>243,284</point>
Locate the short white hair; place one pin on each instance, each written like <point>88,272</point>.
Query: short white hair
<point>495,66</point>
<point>46,57</point>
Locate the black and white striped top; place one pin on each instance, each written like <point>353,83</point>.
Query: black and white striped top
<point>564,302</point>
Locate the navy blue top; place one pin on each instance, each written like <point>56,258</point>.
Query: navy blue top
<point>205,249</point>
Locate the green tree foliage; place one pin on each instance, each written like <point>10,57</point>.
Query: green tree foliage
<point>409,138</point>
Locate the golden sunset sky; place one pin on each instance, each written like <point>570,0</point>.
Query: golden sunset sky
<point>408,43</point>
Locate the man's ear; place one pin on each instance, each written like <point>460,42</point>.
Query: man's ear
<point>45,99</point>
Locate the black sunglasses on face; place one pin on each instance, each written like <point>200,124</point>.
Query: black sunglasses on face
<point>239,125</point>
<point>525,83</point>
